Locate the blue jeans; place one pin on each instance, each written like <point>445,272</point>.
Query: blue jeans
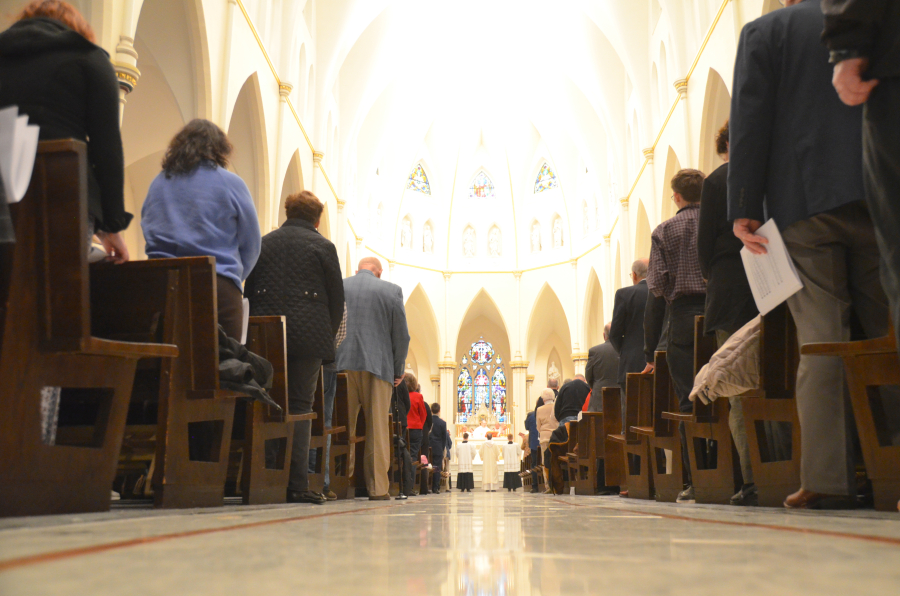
<point>330,387</point>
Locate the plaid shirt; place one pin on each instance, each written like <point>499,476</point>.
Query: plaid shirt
<point>342,330</point>
<point>674,265</point>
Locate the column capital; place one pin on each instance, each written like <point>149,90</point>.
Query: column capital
<point>284,89</point>
<point>340,206</point>
<point>579,355</point>
<point>607,239</point>
<point>125,64</point>
<point>359,243</point>
<point>517,274</point>
<point>318,156</point>
<point>529,378</point>
<point>648,153</point>
<point>624,202</point>
<point>574,263</point>
<point>435,378</point>
<point>447,275</point>
<point>681,86</point>
<point>445,364</point>
<point>391,266</point>
<point>518,363</point>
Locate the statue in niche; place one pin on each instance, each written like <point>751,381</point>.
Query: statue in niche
<point>587,218</point>
<point>469,242</point>
<point>553,372</point>
<point>406,234</point>
<point>427,239</point>
<point>494,243</point>
<point>536,237</point>
<point>557,233</point>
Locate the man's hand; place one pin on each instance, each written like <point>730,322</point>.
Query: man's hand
<point>114,246</point>
<point>397,381</point>
<point>848,81</point>
<point>648,369</point>
<point>745,230</point>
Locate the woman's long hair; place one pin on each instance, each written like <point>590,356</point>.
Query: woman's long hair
<point>200,140</point>
<point>61,11</point>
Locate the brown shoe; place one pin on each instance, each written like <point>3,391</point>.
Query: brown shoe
<point>806,499</point>
<point>623,493</point>
<point>380,498</point>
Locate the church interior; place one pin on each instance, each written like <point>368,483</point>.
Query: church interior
<point>506,162</point>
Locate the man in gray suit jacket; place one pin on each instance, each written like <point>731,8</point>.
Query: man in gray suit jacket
<point>602,370</point>
<point>374,356</point>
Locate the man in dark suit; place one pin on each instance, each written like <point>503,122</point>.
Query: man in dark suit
<point>440,443</point>
<point>796,157</point>
<point>602,370</point>
<point>626,332</point>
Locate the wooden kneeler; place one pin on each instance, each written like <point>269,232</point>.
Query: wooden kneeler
<point>871,364</point>
<point>591,451</point>
<point>716,479</point>
<point>662,435</point>
<point>637,473</point>
<point>47,341</point>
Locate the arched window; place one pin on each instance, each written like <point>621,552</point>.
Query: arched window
<point>546,179</point>
<point>482,187</point>
<point>481,385</point>
<point>418,180</point>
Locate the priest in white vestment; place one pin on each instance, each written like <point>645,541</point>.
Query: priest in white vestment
<point>465,453</point>
<point>490,453</point>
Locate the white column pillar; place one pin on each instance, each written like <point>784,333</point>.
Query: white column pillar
<point>627,251</point>
<point>610,291</point>
<point>652,206</point>
<point>447,355</point>
<point>529,381</point>
<point>226,63</point>
<point>284,91</point>
<point>682,87</point>
<point>520,395</point>
<point>519,333</point>
<point>448,396</point>
<point>579,332</point>
<point>436,393</point>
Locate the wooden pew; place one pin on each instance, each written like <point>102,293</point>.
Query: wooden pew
<point>47,341</point>
<point>344,444</point>
<point>614,452</point>
<point>774,402</point>
<point>715,470</point>
<point>561,456</point>
<point>636,473</point>
<point>591,451</point>
<point>662,435</point>
<point>319,436</point>
<point>871,364</point>
<point>177,405</point>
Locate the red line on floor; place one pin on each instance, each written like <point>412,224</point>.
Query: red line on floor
<point>830,533</point>
<point>101,548</point>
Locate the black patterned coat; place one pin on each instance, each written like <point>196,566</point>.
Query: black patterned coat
<point>298,275</point>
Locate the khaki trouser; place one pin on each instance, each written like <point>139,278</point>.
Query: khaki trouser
<point>373,395</point>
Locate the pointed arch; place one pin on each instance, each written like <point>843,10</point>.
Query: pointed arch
<point>548,329</point>
<point>292,184</point>
<point>593,311</point>
<point>425,335</point>
<point>716,109</point>
<point>247,132</point>
<point>642,233</point>
<point>667,206</point>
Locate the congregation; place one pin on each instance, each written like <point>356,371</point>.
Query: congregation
<point>795,151</point>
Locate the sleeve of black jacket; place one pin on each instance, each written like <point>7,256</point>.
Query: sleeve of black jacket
<point>750,125</point>
<point>617,326</point>
<point>853,24</point>
<point>654,315</point>
<point>334,284</point>
<point>706,228</point>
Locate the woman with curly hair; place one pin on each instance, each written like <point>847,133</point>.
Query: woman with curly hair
<point>196,207</point>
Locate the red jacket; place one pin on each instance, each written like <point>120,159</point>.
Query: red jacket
<point>417,414</point>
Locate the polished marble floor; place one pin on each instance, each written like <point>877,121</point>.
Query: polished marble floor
<point>470,544</point>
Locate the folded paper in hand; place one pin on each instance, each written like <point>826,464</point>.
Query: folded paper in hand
<point>772,276</point>
<point>18,147</point>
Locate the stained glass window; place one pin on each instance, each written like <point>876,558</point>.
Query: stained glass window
<point>464,393</point>
<point>418,180</point>
<point>546,179</point>
<point>482,187</point>
<point>498,394</point>
<point>481,385</point>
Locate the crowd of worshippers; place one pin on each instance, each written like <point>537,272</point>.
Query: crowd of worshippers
<point>800,150</point>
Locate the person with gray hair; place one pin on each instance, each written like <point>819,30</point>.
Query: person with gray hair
<point>374,357</point>
<point>626,332</point>
<point>602,370</point>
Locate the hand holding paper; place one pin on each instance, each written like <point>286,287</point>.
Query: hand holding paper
<point>772,276</point>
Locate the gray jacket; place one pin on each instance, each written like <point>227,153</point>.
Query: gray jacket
<point>377,336</point>
<point>602,370</point>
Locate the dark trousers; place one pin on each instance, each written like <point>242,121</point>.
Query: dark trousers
<point>438,463</point>
<point>415,442</point>
<point>535,462</point>
<point>231,306</point>
<point>881,162</point>
<point>680,358</point>
<point>303,376</point>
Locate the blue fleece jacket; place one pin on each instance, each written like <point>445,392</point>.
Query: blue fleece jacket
<point>208,212</point>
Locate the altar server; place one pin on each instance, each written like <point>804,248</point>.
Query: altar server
<point>465,453</point>
<point>512,460</point>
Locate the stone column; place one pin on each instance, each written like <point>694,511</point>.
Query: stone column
<point>447,386</point>
<point>609,293</point>
<point>126,69</point>
<point>580,361</point>
<point>519,334</point>
<point>681,86</point>
<point>625,236</point>
<point>226,63</point>
<point>436,392</point>
<point>284,91</point>
<point>520,395</point>
<point>579,328</point>
<point>652,206</point>
<point>529,381</point>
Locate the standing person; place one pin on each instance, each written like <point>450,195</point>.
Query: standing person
<point>796,156</point>
<point>440,443</point>
<point>52,69</point>
<point>674,277</point>
<point>374,356</point>
<point>465,479</point>
<point>490,453</point>
<point>195,207</point>
<point>418,415</point>
<point>864,39</point>
<point>534,447</point>
<point>400,404</point>
<point>602,370</point>
<point>729,301</point>
<point>546,424</point>
<point>626,330</point>
<point>512,462</point>
<point>299,275</point>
